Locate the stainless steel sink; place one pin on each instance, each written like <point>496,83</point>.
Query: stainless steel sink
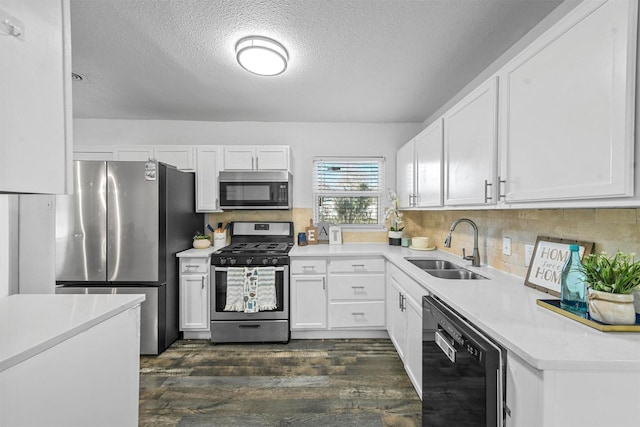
<point>461,274</point>
<point>444,269</point>
<point>433,264</point>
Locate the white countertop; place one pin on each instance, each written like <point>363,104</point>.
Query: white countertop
<point>196,253</point>
<point>506,310</point>
<point>31,324</point>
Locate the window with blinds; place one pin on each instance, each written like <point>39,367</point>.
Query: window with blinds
<point>348,191</point>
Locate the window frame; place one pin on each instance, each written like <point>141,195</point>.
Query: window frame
<point>380,193</point>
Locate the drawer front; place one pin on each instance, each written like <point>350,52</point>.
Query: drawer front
<point>357,315</point>
<point>357,265</point>
<point>308,266</point>
<point>357,287</point>
<point>194,265</point>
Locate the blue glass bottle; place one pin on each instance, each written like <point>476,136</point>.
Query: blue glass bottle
<point>573,293</point>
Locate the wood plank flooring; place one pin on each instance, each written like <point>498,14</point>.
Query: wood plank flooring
<point>302,383</point>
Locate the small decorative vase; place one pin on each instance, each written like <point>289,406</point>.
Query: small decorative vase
<point>201,243</point>
<point>612,309</point>
<point>395,238</point>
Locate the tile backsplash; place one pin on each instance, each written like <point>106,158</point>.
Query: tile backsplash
<point>610,229</point>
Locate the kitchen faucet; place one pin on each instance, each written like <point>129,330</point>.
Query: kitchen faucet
<point>475,258</point>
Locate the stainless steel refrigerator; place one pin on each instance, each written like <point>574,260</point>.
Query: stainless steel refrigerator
<point>120,232</point>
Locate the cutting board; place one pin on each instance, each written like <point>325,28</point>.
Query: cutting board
<point>312,233</point>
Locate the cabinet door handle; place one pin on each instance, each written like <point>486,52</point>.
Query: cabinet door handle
<point>202,282</point>
<point>257,167</point>
<point>487,197</point>
<point>252,163</point>
<point>323,284</point>
<point>502,182</point>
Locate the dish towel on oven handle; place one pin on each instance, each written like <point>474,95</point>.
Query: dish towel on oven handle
<point>251,289</point>
<point>267,288</point>
<point>235,289</point>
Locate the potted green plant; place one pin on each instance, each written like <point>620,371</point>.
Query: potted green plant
<point>201,241</point>
<point>611,282</point>
<point>395,215</point>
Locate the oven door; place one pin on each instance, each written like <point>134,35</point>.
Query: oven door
<point>219,297</point>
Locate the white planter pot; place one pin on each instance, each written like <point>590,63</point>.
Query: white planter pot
<point>395,238</point>
<point>613,309</point>
<point>201,243</point>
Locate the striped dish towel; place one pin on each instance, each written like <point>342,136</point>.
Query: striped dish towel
<point>235,289</point>
<point>267,288</point>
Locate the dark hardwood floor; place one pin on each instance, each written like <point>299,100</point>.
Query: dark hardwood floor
<point>302,383</point>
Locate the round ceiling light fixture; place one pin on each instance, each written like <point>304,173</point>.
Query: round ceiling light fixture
<point>262,56</point>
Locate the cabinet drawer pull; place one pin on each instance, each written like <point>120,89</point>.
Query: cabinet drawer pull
<point>308,267</point>
<point>357,287</point>
<point>358,266</point>
<point>191,266</point>
<point>358,313</point>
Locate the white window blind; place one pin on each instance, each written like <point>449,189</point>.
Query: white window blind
<point>348,191</point>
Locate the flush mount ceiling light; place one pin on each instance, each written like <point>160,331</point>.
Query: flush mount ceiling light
<point>262,56</point>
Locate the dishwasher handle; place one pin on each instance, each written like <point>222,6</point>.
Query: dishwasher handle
<point>446,346</point>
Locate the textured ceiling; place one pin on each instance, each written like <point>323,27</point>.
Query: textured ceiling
<point>376,61</point>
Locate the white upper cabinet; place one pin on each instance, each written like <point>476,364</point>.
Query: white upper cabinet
<point>470,148</point>
<point>567,108</point>
<point>207,179</point>
<point>419,169</point>
<point>258,157</point>
<point>405,175</point>
<point>180,156</point>
<point>35,97</point>
<point>428,166</point>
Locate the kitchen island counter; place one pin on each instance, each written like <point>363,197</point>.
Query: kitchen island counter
<point>75,356</point>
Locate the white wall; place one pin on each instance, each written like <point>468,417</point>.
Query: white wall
<point>306,140</point>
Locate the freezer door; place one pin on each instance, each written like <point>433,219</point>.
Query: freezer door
<point>81,237</point>
<point>133,222</point>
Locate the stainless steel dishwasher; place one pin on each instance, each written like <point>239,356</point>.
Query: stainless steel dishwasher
<point>463,371</point>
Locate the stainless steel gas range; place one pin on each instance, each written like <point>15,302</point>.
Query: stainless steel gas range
<point>250,284</point>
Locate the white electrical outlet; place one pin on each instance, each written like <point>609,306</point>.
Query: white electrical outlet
<point>528,253</point>
<point>506,246</point>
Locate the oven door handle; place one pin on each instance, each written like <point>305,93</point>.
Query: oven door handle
<point>445,346</point>
<point>225,269</point>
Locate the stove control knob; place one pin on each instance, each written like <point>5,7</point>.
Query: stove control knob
<point>274,261</point>
<point>223,261</point>
<point>265,261</point>
<point>232,261</point>
<point>249,260</point>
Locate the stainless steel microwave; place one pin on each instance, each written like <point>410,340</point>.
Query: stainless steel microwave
<point>255,190</point>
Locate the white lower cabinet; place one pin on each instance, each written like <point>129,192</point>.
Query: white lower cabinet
<point>308,294</point>
<point>570,397</point>
<point>404,321</point>
<point>194,294</point>
<point>308,302</point>
<point>356,293</point>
